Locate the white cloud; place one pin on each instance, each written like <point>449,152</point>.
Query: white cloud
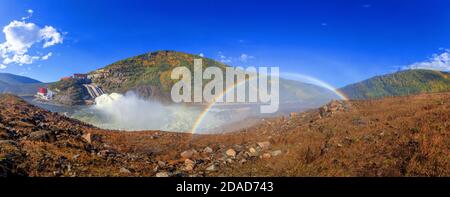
<point>244,57</point>
<point>21,36</point>
<point>201,55</point>
<point>21,59</point>
<point>436,62</point>
<point>224,59</point>
<point>51,36</point>
<point>30,14</point>
<point>2,66</point>
<point>45,57</point>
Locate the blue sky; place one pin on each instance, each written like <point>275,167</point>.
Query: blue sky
<point>339,42</point>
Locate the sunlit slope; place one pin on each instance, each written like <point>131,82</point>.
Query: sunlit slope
<point>400,84</point>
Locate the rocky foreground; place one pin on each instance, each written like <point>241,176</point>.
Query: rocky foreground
<point>402,136</point>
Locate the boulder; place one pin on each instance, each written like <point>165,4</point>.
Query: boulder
<point>208,150</point>
<point>211,168</point>
<point>266,156</point>
<point>264,145</point>
<point>87,137</point>
<point>276,153</point>
<point>124,170</point>
<point>231,153</point>
<point>44,136</point>
<point>162,174</point>
<point>187,154</point>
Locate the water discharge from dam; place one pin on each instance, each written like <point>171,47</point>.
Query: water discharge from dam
<point>132,113</point>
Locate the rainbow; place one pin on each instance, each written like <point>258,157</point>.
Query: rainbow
<point>293,76</point>
<point>203,114</point>
<point>314,81</point>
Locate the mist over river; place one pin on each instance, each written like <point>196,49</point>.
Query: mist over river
<point>130,112</point>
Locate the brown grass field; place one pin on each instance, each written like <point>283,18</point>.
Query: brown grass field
<point>398,136</point>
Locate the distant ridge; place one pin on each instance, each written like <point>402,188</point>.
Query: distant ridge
<point>399,84</point>
<point>19,85</point>
<point>16,79</point>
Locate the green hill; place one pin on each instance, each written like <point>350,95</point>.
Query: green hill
<point>399,84</point>
<point>147,74</point>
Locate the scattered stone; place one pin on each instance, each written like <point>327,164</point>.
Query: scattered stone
<point>339,145</point>
<point>124,170</point>
<point>276,153</point>
<point>154,137</point>
<point>162,174</point>
<point>87,137</point>
<point>264,145</point>
<point>161,164</point>
<point>211,168</point>
<point>231,153</point>
<point>76,156</point>
<point>189,162</point>
<point>208,150</point>
<point>44,136</point>
<point>252,150</point>
<point>187,154</point>
<point>266,156</point>
<point>189,165</point>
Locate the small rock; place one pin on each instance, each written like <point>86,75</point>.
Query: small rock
<point>44,136</point>
<point>87,137</point>
<point>76,156</point>
<point>264,145</point>
<point>276,153</point>
<point>231,153</point>
<point>339,145</point>
<point>155,169</point>
<point>189,162</point>
<point>161,164</point>
<point>211,168</point>
<point>189,165</point>
<point>252,150</point>
<point>208,150</point>
<point>187,154</point>
<point>124,170</point>
<point>162,174</point>
<point>266,156</point>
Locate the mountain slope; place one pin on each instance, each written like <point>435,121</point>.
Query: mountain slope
<point>148,75</point>
<point>16,79</point>
<point>399,84</point>
<point>19,85</point>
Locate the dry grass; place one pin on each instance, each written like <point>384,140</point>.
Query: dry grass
<point>401,136</point>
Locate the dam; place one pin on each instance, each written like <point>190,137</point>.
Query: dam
<point>94,90</point>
